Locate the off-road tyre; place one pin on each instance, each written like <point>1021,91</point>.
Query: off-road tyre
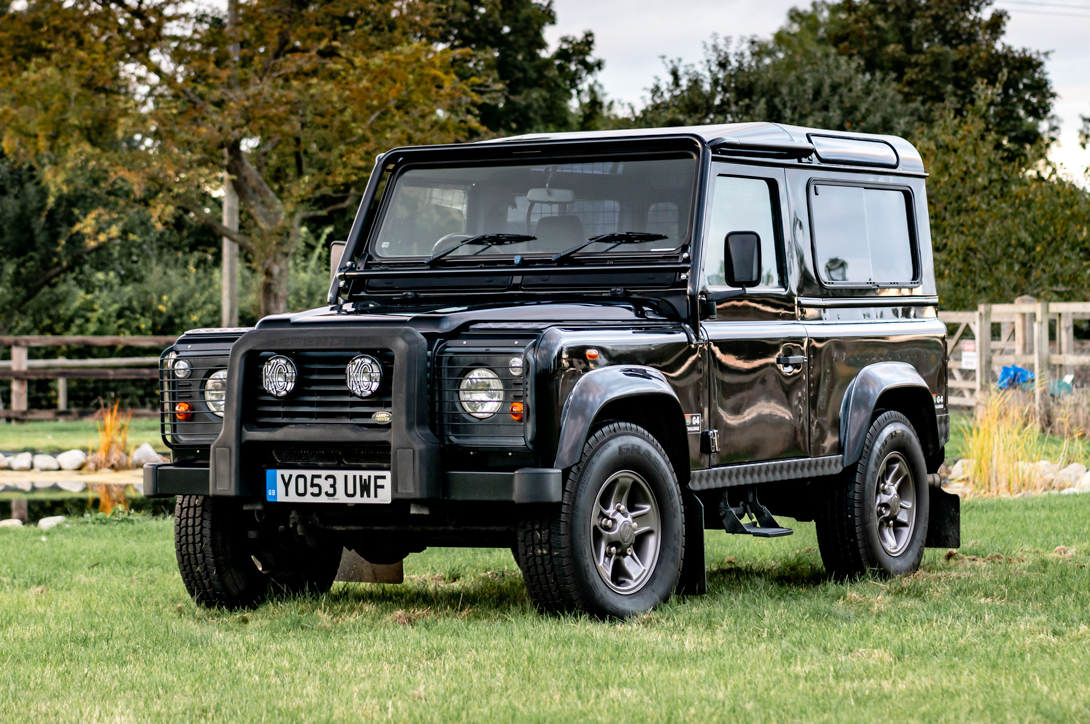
<point>554,550</point>
<point>217,567</point>
<point>847,523</point>
<point>222,568</point>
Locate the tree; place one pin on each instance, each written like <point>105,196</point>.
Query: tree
<point>936,51</point>
<point>1001,226</point>
<point>527,89</point>
<point>316,91</point>
<point>757,81</point>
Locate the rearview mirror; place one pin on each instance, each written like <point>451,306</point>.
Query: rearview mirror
<point>743,257</point>
<point>550,196</point>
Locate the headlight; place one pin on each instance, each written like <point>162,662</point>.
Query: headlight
<point>481,393</point>
<point>215,392</point>
<point>182,368</point>
<point>362,375</point>
<point>278,376</point>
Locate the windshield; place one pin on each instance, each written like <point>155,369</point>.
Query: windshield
<point>453,212</point>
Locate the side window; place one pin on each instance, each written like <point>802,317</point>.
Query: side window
<point>742,204</point>
<point>862,235</point>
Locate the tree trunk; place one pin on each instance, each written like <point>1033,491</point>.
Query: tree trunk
<point>274,285</point>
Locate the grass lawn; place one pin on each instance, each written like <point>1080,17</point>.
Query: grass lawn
<point>95,625</point>
<point>54,437</point>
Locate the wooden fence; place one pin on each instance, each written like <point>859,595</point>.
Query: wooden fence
<point>1031,334</point>
<point>20,368</point>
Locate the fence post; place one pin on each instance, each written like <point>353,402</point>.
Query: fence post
<point>62,393</point>
<point>18,387</point>
<point>1041,398</point>
<point>983,355</point>
<point>1066,338</point>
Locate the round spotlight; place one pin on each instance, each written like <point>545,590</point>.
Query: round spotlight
<point>182,368</point>
<point>515,365</point>
<point>362,375</point>
<point>215,392</point>
<point>278,376</point>
<point>481,393</point>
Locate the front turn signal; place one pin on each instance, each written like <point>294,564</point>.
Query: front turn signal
<point>183,411</point>
<point>517,411</point>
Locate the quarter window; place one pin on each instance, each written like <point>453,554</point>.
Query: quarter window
<point>742,204</point>
<point>862,235</point>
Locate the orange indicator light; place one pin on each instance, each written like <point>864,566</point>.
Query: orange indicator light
<point>592,354</point>
<point>517,410</point>
<point>183,411</point>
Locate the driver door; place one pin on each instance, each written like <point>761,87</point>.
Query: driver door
<point>757,347</point>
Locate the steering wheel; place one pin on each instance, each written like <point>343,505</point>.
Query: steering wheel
<point>450,239</point>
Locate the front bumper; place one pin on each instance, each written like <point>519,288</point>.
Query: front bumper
<point>524,486</point>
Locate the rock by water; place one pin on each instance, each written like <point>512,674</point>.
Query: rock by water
<point>72,459</point>
<point>22,461</point>
<point>145,454</point>
<point>46,462</point>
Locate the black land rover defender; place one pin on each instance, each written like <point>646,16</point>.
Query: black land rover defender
<point>587,347</point>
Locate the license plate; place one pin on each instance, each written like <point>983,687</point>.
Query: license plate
<point>327,486</point>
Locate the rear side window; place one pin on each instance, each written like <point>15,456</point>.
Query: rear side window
<point>863,236</point>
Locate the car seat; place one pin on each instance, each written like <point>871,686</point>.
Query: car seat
<point>558,233</point>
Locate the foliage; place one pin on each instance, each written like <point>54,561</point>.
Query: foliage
<point>936,52</point>
<point>755,81</point>
<point>1001,223</point>
<point>159,97</point>
<point>526,89</point>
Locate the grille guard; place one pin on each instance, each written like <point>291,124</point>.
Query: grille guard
<point>415,464</point>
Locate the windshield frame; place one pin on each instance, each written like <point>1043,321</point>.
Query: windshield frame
<point>395,164</point>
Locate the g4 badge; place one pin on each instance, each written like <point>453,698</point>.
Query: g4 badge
<point>692,423</point>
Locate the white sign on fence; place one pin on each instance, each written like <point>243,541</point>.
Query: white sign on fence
<point>968,355</point>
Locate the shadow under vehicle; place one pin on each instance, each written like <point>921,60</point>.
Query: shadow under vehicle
<point>587,347</point>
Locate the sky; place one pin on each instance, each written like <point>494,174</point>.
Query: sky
<point>632,35</point>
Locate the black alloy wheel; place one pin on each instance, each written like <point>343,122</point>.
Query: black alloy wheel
<point>875,518</point>
<point>615,546</point>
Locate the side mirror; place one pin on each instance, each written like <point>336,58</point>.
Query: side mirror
<point>743,257</point>
<point>336,250</point>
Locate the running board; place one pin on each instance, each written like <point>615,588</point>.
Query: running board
<point>765,525</point>
<point>728,476</point>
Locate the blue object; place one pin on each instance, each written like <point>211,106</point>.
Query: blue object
<point>1014,376</point>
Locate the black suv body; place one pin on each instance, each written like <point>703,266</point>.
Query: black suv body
<point>589,348</point>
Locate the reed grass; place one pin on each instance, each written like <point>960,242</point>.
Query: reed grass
<point>113,453</point>
<point>1006,447</point>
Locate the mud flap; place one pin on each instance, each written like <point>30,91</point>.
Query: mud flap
<point>694,579</point>
<point>355,569</point>
<point>944,529</point>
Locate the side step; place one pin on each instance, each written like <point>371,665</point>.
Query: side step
<point>765,525</point>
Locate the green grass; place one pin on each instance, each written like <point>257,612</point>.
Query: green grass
<point>54,437</point>
<point>95,625</point>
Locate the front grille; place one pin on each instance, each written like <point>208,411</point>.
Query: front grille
<point>457,426</point>
<point>321,394</point>
<point>203,426</point>
<point>369,456</point>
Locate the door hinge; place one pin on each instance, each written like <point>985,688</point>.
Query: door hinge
<point>709,442</point>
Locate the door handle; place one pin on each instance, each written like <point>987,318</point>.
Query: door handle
<point>791,361</point>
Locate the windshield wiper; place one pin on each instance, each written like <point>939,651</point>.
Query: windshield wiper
<point>481,240</point>
<point>617,237</point>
